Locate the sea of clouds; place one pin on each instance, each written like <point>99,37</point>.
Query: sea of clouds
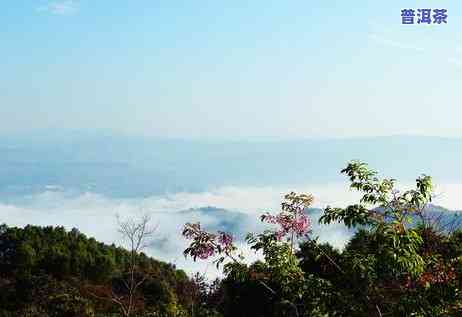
<point>233,207</point>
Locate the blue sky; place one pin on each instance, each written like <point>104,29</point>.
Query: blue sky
<point>214,70</point>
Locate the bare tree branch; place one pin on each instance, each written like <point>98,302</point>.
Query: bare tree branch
<point>137,235</point>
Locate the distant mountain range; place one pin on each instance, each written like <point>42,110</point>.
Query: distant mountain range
<point>221,219</point>
<point>123,166</point>
<point>447,219</point>
<point>239,224</point>
<point>230,221</point>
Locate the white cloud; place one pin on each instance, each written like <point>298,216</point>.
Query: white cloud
<point>64,7</point>
<point>392,43</point>
<point>407,46</point>
<point>455,61</point>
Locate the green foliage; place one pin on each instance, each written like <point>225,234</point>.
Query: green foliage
<point>395,264</point>
<point>388,213</point>
<point>47,271</point>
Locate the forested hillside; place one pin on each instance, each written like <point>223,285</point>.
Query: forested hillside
<point>46,271</point>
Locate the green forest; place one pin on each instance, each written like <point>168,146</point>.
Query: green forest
<point>401,261</point>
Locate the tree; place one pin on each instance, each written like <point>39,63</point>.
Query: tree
<point>280,275</point>
<point>34,282</point>
<point>137,235</point>
<point>395,259</point>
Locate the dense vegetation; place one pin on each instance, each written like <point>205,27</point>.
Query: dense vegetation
<point>402,261</point>
<point>51,272</point>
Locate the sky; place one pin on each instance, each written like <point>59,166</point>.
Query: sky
<point>188,69</point>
